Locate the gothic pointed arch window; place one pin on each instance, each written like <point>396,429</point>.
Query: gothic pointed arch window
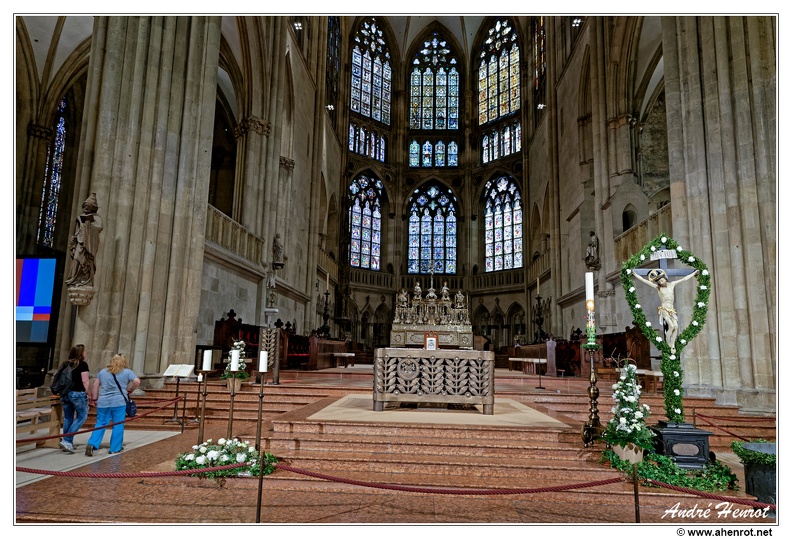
<point>333,67</point>
<point>434,86</point>
<point>540,67</point>
<point>53,169</point>
<point>503,217</point>
<point>365,222</point>
<point>432,230</point>
<point>499,91</point>
<point>371,72</point>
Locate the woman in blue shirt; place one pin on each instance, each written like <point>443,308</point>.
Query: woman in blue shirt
<point>111,402</point>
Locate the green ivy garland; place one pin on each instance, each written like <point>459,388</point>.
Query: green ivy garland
<point>670,364</point>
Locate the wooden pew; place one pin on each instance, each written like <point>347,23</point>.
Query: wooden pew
<point>544,351</point>
<point>321,352</point>
<point>36,409</point>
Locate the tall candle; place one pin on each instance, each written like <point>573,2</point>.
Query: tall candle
<point>263,361</point>
<point>234,360</point>
<point>200,377</point>
<point>207,360</point>
<point>537,286</point>
<point>327,284</point>
<point>589,291</point>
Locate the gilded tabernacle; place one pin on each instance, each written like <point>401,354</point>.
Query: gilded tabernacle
<point>447,316</point>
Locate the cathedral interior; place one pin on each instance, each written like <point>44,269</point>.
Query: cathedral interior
<point>301,171</point>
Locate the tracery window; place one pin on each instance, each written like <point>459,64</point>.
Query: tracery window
<point>434,86</point>
<point>503,246</point>
<point>499,73</point>
<point>436,153</point>
<point>50,193</point>
<point>366,141</point>
<point>365,222</point>
<point>371,73</point>
<point>432,232</point>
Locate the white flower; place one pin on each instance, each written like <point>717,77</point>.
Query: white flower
<point>251,449</point>
<point>632,289</point>
<point>676,374</point>
<point>677,410</point>
<point>202,449</point>
<point>241,457</point>
<point>209,441</point>
<point>201,460</point>
<point>663,239</point>
<point>221,441</point>
<point>643,257</point>
<point>676,392</point>
<point>672,356</point>
<point>683,341</point>
<point>648,324</point>
<point>703,287</point>
<point>195,447</point>
<point>615,386</point>
<point>630,398</point>
<point>695,323</point>
<point>212,455</point>
<point>637,305</point>
<point>700,304</point>
<point>658,339</point>
<point>646,406</point>
<point>224,457</point>
<point>637,427</point>
<point>705,272</point>
<point>653,248</point>
<point>189,456</point>
<point>691,259</point>
<point>679,248</point>
<point>623,421</point>
<point>639,415</point>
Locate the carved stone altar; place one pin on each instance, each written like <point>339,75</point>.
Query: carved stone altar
<point>434,376</point>
<point>447,317</point>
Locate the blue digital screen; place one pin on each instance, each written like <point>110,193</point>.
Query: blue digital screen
<point>35,283</point>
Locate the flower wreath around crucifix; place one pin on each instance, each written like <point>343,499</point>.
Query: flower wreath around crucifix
<point>670,364</point>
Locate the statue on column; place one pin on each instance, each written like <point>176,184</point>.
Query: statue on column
<point>592,259</point>
<point>84,244</point>
<point>277,252</point>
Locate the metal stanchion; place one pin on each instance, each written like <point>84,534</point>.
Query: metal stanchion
<point>232,389</point>
<point>635,493</point>
<point>262,376</point>
<point>202,419</point>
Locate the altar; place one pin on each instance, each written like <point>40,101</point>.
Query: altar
<point>434,376</point>
<point>444,315</point>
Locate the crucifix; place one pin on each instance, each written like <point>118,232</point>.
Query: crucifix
<point>659,279</point>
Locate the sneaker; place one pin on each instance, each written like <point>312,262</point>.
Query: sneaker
<point>89,450</point>
<point>114,452</point>
<point>66,446</point>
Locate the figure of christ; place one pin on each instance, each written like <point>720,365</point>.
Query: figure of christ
<point>666,312</point>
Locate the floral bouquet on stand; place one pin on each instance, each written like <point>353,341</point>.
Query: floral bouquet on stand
<point>211,455</point>
<point>240,374</point>
<point>627,430</point>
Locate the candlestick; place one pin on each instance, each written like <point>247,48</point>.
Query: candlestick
<point>234,360</point>
<point>207,360</point>
<point>263,361</point>
<point>537,286</point>
<point>589,291</point>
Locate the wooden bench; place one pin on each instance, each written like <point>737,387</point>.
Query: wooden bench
<point>36,410</point>
<point>344,358</point>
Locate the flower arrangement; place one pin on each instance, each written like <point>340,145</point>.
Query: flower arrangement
<point>211,455</point>
<point>628,424</point>
<point>670,363</point>
<point>241,374</point>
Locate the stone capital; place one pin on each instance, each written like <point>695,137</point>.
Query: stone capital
<point>286,163</point>
<point>39,131</point>
<point>251,123</point>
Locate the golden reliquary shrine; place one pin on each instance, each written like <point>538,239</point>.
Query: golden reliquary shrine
<point>445,315</point>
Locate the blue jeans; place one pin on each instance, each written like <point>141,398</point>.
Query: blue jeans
<point>104,416</point>
<point>75,412</point>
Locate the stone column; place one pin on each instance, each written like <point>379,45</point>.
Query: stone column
<point>145,150</point>
<point>720,90</point>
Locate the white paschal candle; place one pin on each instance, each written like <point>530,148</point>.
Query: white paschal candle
<point>234,360</point>
<point>207,360</point>
<point>263,361</point>
<point>589,291</point>
<point>537,286</point>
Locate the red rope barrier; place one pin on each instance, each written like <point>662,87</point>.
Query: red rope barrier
<point>713,425</point>
<point>707,495</point>
<point>109,425</point>
<point>131,475</point>
<point>746,419</point>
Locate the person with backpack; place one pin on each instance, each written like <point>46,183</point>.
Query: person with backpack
<point>109,392</point>
<point>74,398</point>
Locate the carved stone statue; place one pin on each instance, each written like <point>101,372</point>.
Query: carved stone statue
<point>592,251</point>
<point>459,300</point>
<point>403,298</point>
<point>666,312</point>
<point>444,293</point>
<point>417,292</point>
<point>277,252</point>
<point>84,244</point>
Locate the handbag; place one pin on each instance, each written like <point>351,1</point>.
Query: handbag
<point>131,407</point>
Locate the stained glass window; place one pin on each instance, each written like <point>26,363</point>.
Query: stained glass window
<point>499,73</point>
<point>540,66</point>
<point>433,154</point>
<point>434,86</point>
<point>331,77</point>
<point>501,142</point>
<point>368,142</point>
<point>50,194</point>
<point>503,217</point>
<point>365,222</point>
<point>432,230</point>
<point>371,73</point>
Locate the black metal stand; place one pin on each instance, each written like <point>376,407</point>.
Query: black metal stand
<point>203,406</point>
<point>540,377</point>
<point>539,321</point>
<point>593,428</point>
<point>262,376</point>
<point>232,390</point>
<point>175,418</point>
<point>324,331</point>
<point>635,493</point>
